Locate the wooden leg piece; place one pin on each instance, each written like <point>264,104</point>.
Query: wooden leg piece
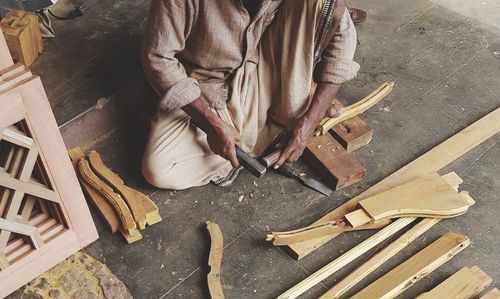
<point>415,268</point>
<point>215,261</point>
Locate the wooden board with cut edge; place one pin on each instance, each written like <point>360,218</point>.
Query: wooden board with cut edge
<point>493,294</point>
<point>103,207</point>
<point>415,268</point>
<point>338,168</point>
<point>466,283</point>
<point>432,161</point>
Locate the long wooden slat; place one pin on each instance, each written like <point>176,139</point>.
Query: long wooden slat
<point>346,258</point>
<point>415,268</point>
<point>35,189</point>
<point>22,229</point>
<point>12,104</point>
<point>466,283</point>
<point>432,161</point>
<point>493,294</point>
<point>378,259</point>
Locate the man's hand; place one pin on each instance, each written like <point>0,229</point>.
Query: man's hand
<point>222,138</point>
<point>322,105</point>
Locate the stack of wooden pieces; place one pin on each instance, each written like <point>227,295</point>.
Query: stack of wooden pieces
<point>43,214</point>
<point>122,208</point>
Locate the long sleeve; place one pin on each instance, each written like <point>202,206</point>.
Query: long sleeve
<point>168,26</point>
<point>337,64</point>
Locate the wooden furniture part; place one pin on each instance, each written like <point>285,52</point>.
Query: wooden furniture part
<point>324,229</point>
<point>63,221</point>
<point>23,36</point>
<point>215,261</point>
<point>426,196</point>
<point>379,258</point>
<point>432,161</point>
<point>357,108</point>
<point>143,209</point>
<point>346,258</point>
<point>352,134</point>
<point>338,167</point>
<point>466,283</point>
<point>493,294</point>
<point>104,208</point>
<point>128,228</point>
<point>415,268</point>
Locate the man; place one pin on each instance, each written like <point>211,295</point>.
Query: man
<point>239,72</point>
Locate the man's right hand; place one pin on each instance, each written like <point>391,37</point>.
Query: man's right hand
<point>222,137</point>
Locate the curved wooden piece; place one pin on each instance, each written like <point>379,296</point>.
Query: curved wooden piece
<point>104,173</point>
<point>426,196</point>
<point>357,108</point>
<point>150,208</point>
<point>114,199</point>
<point>215,260</point>
<point>321,230</point>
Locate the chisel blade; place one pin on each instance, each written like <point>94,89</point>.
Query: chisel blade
<point>316,185</point>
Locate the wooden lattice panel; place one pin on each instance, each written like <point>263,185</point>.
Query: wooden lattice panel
<point>43,214</point>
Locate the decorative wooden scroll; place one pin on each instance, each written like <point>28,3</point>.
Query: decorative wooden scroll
<point>43,214</point>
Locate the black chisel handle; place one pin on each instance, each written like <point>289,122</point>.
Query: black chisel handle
<point>250,163</point>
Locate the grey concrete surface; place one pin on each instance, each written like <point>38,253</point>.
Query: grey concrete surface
<point>445,59</point>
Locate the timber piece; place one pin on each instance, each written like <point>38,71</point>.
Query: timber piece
<point>357,108</point>
<point>108,176</point>
<point>346,258</point>
<point>493,294</point>
<point>415,268</point>
<point>303,234</point>
<point>104,208</point>
<point>432,161</point>
<point>128,227</point>
<point>338,167</point>
<point>23,36</point>
<point>23,229</point>
<point>4,263</point>
<point>352,134</point>
<point>426,196</point>
<point>358,218</point>
<point>150,208</point>
<point>466,283</point>
<point>379,258</point>
<point>215,260</point>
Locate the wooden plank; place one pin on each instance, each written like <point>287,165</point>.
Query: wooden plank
<point>426,195</point>
<point>415,268</point>
<point>23,229</point>
<point>466,283</point>
<point>333,227</point>
<point>352,133</point>
<point>30,187</point>
<point>103,207</point>
<point>4,263</point>
<point>108,176</point>
<point>493,294</point>
<point>215,261</point>
<point>346,258</point>
<point>338,167</point>
<point>357,108</point>
<point>378,259</point>
<point>358,218</point>
<point>12,110</point>
<point>432,161</point>
<point>5,58</point>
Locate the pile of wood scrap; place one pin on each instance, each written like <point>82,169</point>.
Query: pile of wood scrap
<point>414,193</point>
<point>122,208</point>
<point>43,214</point>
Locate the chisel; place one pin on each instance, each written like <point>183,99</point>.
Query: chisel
<point>309,182</point>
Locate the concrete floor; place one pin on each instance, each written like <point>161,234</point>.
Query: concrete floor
<point>445,59</point>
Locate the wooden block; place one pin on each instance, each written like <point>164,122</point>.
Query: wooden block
<point>23,36</point>
<point>415,268</point>
<point>357,218</point>
<point>493,294</point>
<point>103,207</point>
<point>466,283</point>
<point>215,261</point>
<point>338,167</point>
<point>352,134</point>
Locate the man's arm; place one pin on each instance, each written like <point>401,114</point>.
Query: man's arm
<point>168,27</point>
<point>335,67</point>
